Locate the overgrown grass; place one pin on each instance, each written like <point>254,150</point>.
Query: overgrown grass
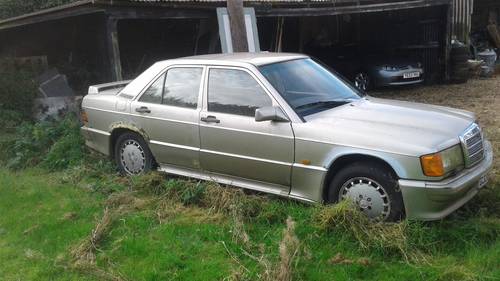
<point>52,144</point>
<point>68,215</point>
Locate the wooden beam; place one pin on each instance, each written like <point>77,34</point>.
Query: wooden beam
<point>158,13</point>
<point>55,15</point>
<point>113,49</point>
<point>329,10</point>
<point>237,23</point>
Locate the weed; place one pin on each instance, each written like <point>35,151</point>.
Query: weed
<point>345,218</point>
<point>85,252</point>
<point>289,249</point>
<point>457,273</point>
<point>150,183</point>
<point>54,144</point>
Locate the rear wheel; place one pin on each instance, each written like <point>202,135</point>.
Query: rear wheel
<point>132,154</point>
<point>372,188</point>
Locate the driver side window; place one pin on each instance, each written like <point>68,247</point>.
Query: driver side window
<point>235,91</point>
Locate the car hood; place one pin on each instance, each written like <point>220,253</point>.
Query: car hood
<point>393,126</point>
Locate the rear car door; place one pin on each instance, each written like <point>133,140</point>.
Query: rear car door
<point>232,142</point>
<point>168,111</point>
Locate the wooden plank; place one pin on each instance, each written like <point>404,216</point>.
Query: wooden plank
<point>329,10</point>
<point>56,15</point>
<point>158,13</point>
<point>113,49</point>
<point>237,23</point>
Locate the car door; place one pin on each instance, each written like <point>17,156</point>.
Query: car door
<point>168,111</point>
<point>232,142</point>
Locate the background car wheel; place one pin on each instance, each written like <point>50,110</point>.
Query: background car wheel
<point>374,189</point>
<point>362,81</point>
<point>132,155</point>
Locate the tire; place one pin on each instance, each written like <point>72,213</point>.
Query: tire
<point>372,186</point>
<point>132,155</point>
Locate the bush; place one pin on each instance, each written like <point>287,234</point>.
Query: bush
<point>10,119</point>
<point>54,145</point>
<point>18,90</point>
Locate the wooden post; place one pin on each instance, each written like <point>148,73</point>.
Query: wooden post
<point>237,22</point>
<point>113,49</point>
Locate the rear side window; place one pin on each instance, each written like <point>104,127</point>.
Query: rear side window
<point>235,92</point>
<point>182,87</point>
<point>154,93</point>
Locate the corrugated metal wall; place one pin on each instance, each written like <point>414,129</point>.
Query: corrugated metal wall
<point>461,19</point>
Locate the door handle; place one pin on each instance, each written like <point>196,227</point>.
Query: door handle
<point>143,109</point>
<point>210,119</point>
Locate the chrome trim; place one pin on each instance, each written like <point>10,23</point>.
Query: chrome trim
<point>302,166</point>
<point>474,149</point>
<point>175,145</point>
<point>247,157</point>
<point>227,180</point>
<point>96,131</point>
<point>243,131</point>
<point>137,115</point>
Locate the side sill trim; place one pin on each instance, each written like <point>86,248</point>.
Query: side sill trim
<point>96,131</point>
<point>247,157</point>
<point>302,166</point>
<point>175,145</point>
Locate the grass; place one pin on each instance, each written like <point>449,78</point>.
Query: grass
<point>87,223</point>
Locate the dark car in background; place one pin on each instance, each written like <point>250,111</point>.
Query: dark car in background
<point>371,70</point>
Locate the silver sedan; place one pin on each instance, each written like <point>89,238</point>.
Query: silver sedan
<point>283,124</point>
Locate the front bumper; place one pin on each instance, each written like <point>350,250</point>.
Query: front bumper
<point>425,200</point>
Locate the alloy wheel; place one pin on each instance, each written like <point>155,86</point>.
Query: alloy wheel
<point>368,195</point>
<point>361,81</point>
<point>133,157</point>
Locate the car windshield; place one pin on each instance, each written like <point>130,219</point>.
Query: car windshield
<point>307,86</point>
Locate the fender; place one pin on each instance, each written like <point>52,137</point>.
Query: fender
<point>398,163</point>
<point>129,126</point>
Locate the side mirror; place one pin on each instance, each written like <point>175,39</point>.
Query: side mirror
<point>270,113</point>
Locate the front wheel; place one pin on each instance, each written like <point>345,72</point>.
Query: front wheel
<point>132,155</point>
<point>374,189</point>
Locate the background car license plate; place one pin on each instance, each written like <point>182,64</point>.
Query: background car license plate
<point>411,75</point>
<point>483,181</point>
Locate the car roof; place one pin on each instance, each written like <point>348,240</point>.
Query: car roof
<point>257,59</point>
<point>234,59</point>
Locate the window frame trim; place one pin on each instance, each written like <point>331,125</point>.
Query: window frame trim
<point>165,73</point>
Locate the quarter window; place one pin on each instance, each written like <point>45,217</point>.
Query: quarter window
<point>235,92</point>
<point>182,87</point>
<point>154,93</point>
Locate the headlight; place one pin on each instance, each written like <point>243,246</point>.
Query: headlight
<point>443,163</point>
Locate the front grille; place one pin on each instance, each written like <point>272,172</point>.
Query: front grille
<point>472,143</point>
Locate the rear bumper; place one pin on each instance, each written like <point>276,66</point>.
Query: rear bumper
<point>435,200</point>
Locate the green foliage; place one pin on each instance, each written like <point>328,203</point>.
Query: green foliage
<point>9,119</point>
<point>54,145</point>
<point>17,93</point>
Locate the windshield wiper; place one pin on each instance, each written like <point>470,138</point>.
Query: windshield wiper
<point>328,103</point>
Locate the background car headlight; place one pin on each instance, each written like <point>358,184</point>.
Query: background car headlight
<point>443,163</point>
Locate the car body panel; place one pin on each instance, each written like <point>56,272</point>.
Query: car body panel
<point>286,158</point>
